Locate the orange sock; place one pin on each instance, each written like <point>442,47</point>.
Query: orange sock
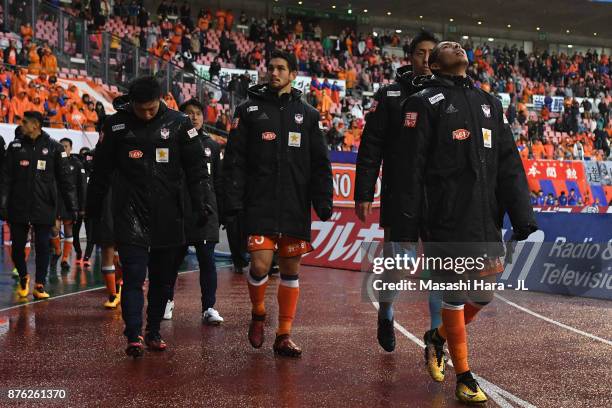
<point>118,269</point>
<point>67,249</point>
<point>288,294</point>
<point>28,249</point>
<point>469,313</point>
<point>109,279</point>
<point>55,244</point>
<point>454,323</point>
<point>257,293</point>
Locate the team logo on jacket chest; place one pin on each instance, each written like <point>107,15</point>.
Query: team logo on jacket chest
<point>461,134</point>
<point>268,136</point>
<point>45,151</point>
<point>135,154</point>
<point>24,163</point>
<point>486,109</point>
<point>299,118</point>
<point>165,133</point>
<point>207,151</point>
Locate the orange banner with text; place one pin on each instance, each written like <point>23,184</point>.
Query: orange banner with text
<point>344,185</point>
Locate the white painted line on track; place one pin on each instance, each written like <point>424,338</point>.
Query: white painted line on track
<point>549,320</point>
<point>35,302</point>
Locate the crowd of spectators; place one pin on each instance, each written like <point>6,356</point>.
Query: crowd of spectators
<point>538,198</point>
<point>364,61</point>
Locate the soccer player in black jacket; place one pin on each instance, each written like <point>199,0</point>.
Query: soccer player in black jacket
<point>276,167</point>
<point>461,173</point>
<point>379,146</point>
<point>147,151</point>
<point>34,168</point>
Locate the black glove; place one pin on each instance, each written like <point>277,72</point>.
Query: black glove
<point>324,213</point>
<point>523,233</point>
<point>3,214</point>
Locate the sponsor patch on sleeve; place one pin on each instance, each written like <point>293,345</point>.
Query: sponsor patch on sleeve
<point>252,108</point>
<point>193,132</point>
<point>436,98</point>
<point>410,120</point>
<point>16,145</point>
<point>117,127</point>
<point>394,93</point>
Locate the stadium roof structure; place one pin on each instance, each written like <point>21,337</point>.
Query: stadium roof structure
<point>569,18</point>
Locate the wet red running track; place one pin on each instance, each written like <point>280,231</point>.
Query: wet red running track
<point>72,343</point>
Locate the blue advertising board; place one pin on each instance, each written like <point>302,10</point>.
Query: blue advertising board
<point>571,254</point>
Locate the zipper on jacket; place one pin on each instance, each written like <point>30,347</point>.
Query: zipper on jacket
<point>279,151</point>
<point>482,166</point>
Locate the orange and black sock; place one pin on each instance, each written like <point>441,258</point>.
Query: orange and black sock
<point>257,292</point>
<point>109,279</point>
<point>288,294</point>
<point>453,329</point>
<point>28,249</point>
<point>67,249</point>
<point>55,244</point>
<point>118,271</point>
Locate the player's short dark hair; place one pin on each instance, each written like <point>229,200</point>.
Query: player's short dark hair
<point>287,56</point>
<point>144,89</point>
<point>191,102</point>
<point>34,115</point>
<point>66,140</point>
<point>423,35</point>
